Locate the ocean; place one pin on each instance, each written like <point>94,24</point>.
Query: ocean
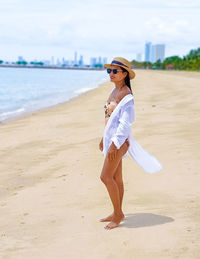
<point>25,90</point>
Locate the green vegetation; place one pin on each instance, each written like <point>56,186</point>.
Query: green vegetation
<point>37,63</point>
<point>98,65</point>
<point>188,62</point>
<point>24,63</point>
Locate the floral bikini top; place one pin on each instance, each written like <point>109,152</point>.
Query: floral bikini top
<point>109,108</point>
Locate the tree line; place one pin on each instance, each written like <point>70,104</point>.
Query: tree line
<point>189,62</point>
<point>24,63</point>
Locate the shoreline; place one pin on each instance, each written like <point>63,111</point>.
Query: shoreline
<point>53,67</point>
<point>35,94</point>
<point>30,113</point>
<point>51,196</point>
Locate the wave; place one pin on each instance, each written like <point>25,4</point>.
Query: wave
<point>6,115</point>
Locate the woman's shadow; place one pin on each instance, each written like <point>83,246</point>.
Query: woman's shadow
<point>138,220</point>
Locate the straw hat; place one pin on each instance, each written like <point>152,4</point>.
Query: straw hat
<point>122,62</point>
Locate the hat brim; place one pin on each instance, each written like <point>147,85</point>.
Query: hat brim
<point>130,71</point>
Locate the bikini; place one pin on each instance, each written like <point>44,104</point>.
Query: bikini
<point>109,108</point>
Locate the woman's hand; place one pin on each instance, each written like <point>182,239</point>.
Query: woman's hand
<point>112,152</point>
<point>101,144</point>
<point>127,142</point>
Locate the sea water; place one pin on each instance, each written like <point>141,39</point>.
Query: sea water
<point>25,90</point>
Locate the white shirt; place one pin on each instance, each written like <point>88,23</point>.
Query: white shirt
<point>118,129</point>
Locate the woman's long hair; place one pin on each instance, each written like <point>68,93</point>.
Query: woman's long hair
<point>127,79</point>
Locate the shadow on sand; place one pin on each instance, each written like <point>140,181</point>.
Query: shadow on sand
<point>139,220</point>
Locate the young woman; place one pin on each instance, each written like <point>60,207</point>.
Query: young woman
<point>117,139</point>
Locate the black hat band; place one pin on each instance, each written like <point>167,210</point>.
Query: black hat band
<point>118,63</point>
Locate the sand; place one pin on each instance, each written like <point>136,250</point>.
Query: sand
<point>51,196</point>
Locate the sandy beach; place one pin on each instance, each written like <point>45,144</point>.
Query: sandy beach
<point>51,195</point>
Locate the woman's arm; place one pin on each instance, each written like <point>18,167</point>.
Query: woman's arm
<point>126,119</point>
<point>101,145</point>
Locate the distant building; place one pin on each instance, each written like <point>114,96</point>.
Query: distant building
<point>20,59</point>
<point>65,62</point>
<point>104,61</point>
<point>154,52</point>
<point>93,62</point>
<point>147,51</point>
<point>52,60</point>
<point>100,60</point>
<point>45,62</point>
<point>75,58</point>
<point>157,53</point>
<point>58,63</point>
<point>80,62</point>
<point>169,66</point>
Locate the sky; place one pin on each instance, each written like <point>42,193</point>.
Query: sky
<point>40,29</point>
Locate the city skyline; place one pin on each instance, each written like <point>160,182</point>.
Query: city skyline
<point>152,53</point>
<point>78,60</point>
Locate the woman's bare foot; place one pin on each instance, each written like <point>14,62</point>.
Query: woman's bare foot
<point>116,219</point>
<point>109,218</point>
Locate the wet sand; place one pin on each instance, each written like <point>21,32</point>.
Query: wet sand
<point>51,196</point>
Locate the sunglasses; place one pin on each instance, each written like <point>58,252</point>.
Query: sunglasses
<point>115,71</point>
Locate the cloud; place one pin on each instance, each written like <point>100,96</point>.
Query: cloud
<point>102,27</point>
<point>166,30</point>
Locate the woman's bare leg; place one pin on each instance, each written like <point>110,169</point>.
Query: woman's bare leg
<point>107,176</point>
<point>119,181</point>
<point>120,184</point>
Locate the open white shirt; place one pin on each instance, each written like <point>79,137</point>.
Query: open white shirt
<point>118,129</point>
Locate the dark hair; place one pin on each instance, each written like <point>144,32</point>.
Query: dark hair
<point>127,79</point>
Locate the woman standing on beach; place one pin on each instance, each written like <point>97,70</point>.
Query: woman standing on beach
<point>117,139</point>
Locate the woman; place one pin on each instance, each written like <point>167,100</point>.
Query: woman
<point>117,139</point>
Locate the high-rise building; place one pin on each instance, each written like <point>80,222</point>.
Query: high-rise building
<point>75,58</point>
<point>99,60</point>
<point>93,62</point>
<point>58,63</point>
<point>80,63</point>
<point>20,59</point>
<point>157,53</point>
<point>52,60</point>
<point>104,60</point>
<point>154,52</point>
<point>45,62</point>
<point>147,51</point>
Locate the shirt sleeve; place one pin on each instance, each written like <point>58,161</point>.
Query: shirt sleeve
<point>125,121</point>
